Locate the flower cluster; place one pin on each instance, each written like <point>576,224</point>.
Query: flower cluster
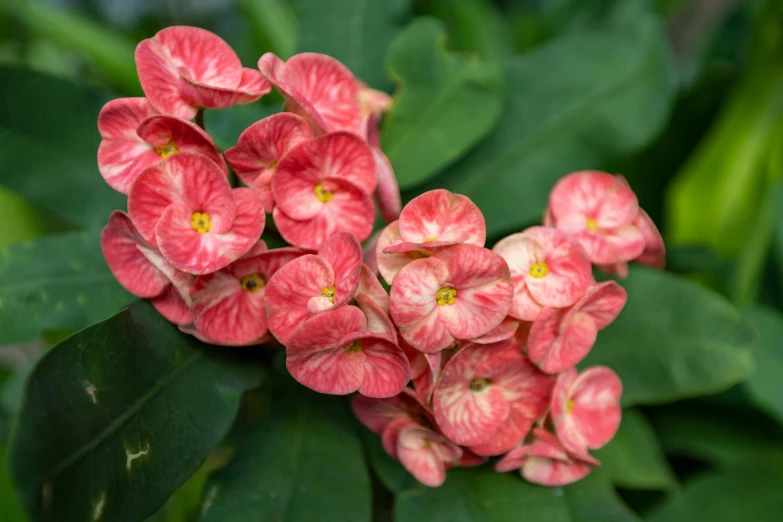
<point>493,337</point>
<point>190,242</point>
<point>473,351</point>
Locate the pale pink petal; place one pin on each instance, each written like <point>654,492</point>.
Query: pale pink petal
<point>122,154</point>
<point>328,86</point>
<point>349,211</point>
<point>376,414</point>
<point>560,338</point>
<point>603,302</point>
<point>503,331</point>
<point>378,321</point>
<point>123,247</point>
<point>439,215</point>
<point>251,87</point>
<point>290,289</point>
<point>391,263</point>
<point>521,252</point>
<point>186,178</point>
<point>172,307</point>
<point>163,132</point>
<point>422,451</point>
<point>199,253</point>
<point>387,193</point>
<point>654,253</point>
<point>370,287</point>
<point>344,253</point>
<point>386,368</point>
<point>203,56</point>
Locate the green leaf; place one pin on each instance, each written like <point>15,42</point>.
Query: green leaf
<point>634,459</point>
<point>766,383</point>
<point>742,495</point>
<point>674,339</point>
<point>48,145</point>
<point>724,436</point>
<point>593,499</point>
<point>226,125</point>
<point>445,103</point>
<point>572,104</point>
<point>356,32</point>
<point>302,462</point>
<point>55,282</point>
<point>118,416</point>
<point>20,220</point>
<point>274,24</point>
<point>483,495</point>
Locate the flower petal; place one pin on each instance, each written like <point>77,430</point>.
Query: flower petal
<point>161,131</point>
<point>439,215</point>
<point>344,253</point>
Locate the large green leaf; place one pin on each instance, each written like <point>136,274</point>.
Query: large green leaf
<point>20,220</point>
<point>356,32</point>
<point>445,103</point>
<point>482,495</point>
<point>118,416</point>
<point>726,436</point>
<point>766,383</point>
<point>634,459</point>
<point>743,495</point>
<point>300,463</point>
<point>674,339</point>
<point>48,146</point>
<point>55,282</point>
<point>572,104</point>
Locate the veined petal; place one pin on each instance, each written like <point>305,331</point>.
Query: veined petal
<point>386,368</point>
<point>344,253</point>
<point>161,132</point>
<point>391,263</point>
<point>251,87</point>
<point>603,302</point>
<point>424,454</point>
<point>560,338</point>
<point>172,307</point>
<point>387,192</point>
<point>439,215</point>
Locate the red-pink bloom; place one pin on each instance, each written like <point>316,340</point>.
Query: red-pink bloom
<point>228,305</point>
<point>433,220</point>
<point>143,271</point>
<point>600,211</point>
<point>425,370</point>
<point>333,353</point>
<point>489,396</point>
<point>387,192</point>
<point>505,330</point>
<point>561,337</point>
<point>378,414</point>
<point>654,253</point>
<point>426,454</point>
<point>186,208</point>
<point>313,283</point>
<point>586,408</point>
<point>260,148</point>
<point>134,137</point>
<point>318,88</point>
<point>461,292</point>
<point>547,268</point>
<point>546,462</point>
<point>183,69</point>
<point>323,186</point>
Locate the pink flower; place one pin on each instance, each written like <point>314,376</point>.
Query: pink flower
<point>378,414</point>
<point>143,271</point>
<point>461,292</point>
<point>505,330</point>
<point>333,353</point>
<point>600,211</point>
<point>134,137</point>
<point>547,268</point>
<point>425,370</point>
<point>186,208</point>
<point>260,148</point>
<point>586,408</point>
<point>435,219</point>
<point>318,88</point>
<point>654,253</point>
<point>489,396</point>
<point>323,186</point>
<point>313,283</point>
<point>546,462</point>
<point>387,192</point>
<point>228,305</point>
<point>426,454</point>
<point>183,69</point>
<point>561,337</point>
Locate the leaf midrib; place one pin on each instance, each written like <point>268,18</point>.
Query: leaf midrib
<point>120,421</point>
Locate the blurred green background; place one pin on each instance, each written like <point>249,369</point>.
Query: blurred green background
<point>687,104</point>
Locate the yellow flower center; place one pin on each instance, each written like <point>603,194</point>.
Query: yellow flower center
<point>272,165</point>
<point>539,270</point>
<point>354,348</point>
<point>592,224</point>
<point>167,150</point>
<point>323,195</point>
<point>252,283</point>
<point>328,293</point>
<point>569,406</point>
<point>430,239</point>
<point>476,385</point>
<point>200,222</point>
<point>446,296</point>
